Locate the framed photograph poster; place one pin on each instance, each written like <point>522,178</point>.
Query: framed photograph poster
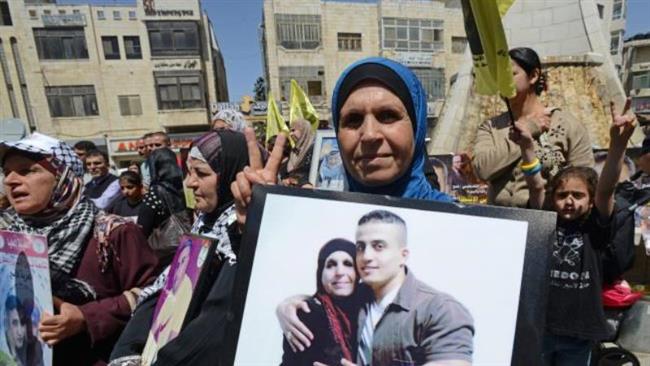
<point>327,172</point>
<point>390,281</point>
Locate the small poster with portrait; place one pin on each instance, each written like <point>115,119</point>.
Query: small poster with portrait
<point>192,263</point>
<point>327,172</point>
<point>456,177</point>
<point>384,281</point>
<point>25,295</point>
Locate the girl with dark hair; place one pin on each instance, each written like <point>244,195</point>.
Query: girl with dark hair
<point>559,139</point>
<point>165,195</point>
<point>584,204</point>
<point>130,201</point>
<point>335,306</point>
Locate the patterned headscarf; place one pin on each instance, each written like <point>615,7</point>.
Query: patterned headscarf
<point>68,219</point>
<point>234,119</point>
<point>303,147</point>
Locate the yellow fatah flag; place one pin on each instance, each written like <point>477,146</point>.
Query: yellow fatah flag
<point>300,107</point>
<point>504,5</point>
<point>487,41</point>
<point>275,123</point>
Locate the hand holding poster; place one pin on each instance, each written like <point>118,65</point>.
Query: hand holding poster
<point>25,294</point>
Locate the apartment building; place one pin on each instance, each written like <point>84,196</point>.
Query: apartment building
<point>636,71</point>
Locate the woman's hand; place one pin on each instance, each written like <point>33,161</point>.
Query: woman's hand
<point>521,135</point>
<point>55,328</point>
<point>622,126</point>
<point>296,332</point>
<point>255,173</point>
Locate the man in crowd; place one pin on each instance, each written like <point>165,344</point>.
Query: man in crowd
<point>82,148</point>
<point>434,328</point>
<point>104,187</point>
<point>151,142</point>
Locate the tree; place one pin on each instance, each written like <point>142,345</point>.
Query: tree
<point>260,90</point>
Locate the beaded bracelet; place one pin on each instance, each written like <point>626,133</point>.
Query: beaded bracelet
<point>535,170</point>
<point>530,165</point>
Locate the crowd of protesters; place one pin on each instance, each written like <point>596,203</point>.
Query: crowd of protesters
<point>101,227</point>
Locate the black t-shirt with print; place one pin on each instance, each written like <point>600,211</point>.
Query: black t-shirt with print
<point>122,207</point>
<point>575,307</point>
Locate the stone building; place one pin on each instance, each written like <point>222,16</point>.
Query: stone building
<point>109,73</point>
<point>636,71</point>
<point>313,41</point>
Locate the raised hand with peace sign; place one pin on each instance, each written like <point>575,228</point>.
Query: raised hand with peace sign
<point>255,173</point>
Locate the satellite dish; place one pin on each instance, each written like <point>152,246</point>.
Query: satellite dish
<point>12,129</point>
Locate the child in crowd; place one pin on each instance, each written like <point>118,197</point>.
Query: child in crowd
<point>584,203</point>
<point>128,204</point>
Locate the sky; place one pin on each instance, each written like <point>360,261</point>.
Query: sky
<point>236,25</point>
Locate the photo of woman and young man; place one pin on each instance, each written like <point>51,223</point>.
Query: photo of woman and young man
<point>385,292</point>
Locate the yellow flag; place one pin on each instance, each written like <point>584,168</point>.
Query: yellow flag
<point>504,5</point>
<point>300,107</point>
<point>275,123</point>
<point>487,41</point>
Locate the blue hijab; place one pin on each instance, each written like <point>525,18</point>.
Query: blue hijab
<point>402,82</point>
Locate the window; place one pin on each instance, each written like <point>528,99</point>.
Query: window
<point>641,81</point>
<point>60,43</point>
<point>101,15</point>
<point>179,90</point>
<point>72,101</point>
<point>117,15</point>
<point>62,11</point>
<point>173,38</point>
<point>433,81</point>
<point>617,10</point>
<point>130,105</point>
<point>458,44</point>
<point>298,31</point>
<point>32,14</point>
<point>615,43</point>
<point>47,12</point>
<point>5,16</point>
<point>310,78</point>
<point>349,41</point>
<point>601,10</point>
<point>132,15</point>
<point>413,35</point>
<point>76,11</point>
<point>111,48</point>
<point>132,47</point>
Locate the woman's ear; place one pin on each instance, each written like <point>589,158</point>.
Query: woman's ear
<point>534,77</point>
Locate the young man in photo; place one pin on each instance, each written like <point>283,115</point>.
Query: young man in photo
<point>407,321</point>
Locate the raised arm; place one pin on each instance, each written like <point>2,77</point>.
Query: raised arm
<point>620,132</point>
<point>493,152</point>
<point>530,164</point>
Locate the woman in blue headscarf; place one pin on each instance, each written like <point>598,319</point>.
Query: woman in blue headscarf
<point>379,111</point>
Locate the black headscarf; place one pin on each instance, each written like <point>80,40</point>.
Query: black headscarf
<point>227,154</point>
<point>167,179</point>
<point>334,245</point>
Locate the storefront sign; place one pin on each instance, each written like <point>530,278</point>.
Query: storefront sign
<point>176,65</point>
<point>259,109</point>
<point>128,146</point>
<point>64,20</point>
<point>170,8</point>
<point>413,59</point>
<point>228,106</point>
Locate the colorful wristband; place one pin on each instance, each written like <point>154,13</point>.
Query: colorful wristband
<point>530,165</point>
<point>533,171</point>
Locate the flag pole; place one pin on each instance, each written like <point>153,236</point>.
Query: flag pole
<point>512,116</point>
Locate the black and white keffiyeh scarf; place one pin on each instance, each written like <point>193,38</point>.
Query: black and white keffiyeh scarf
<point>67,238</point>
<point>217,231</point>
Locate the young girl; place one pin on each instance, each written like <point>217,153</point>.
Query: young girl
<point>128,204</point>
<point>584,204</point>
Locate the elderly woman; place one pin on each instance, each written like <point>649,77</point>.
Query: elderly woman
<point>213,162</point>
<point>335,306</point>
<point>560,139</point>
<point>379,111</point>
<point>97,262</point>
